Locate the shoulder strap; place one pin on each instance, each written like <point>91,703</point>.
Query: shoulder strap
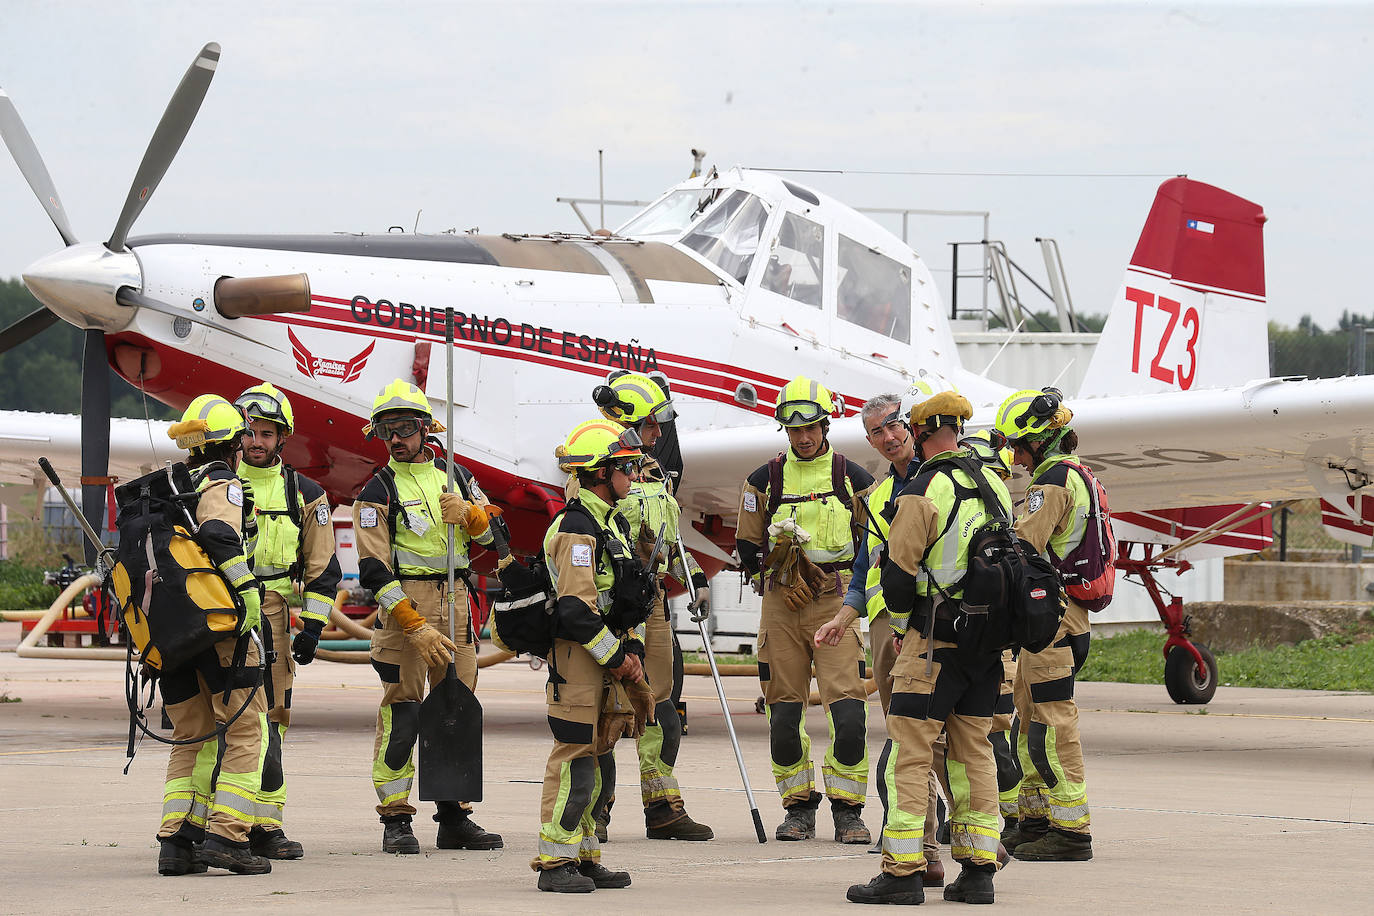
<point>1090,483</point>
<point>293,497</point>
<point>393,497</point>
<point>575,504</point>
<point>774,485</point>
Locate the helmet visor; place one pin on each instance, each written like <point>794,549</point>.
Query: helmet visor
<point>405,427</point>
<point>261,406</point>
<point>799,413</point>
<point>664,412</point>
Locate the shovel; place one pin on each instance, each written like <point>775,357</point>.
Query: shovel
<point>450,761</point>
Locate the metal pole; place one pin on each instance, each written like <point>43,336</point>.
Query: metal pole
<point>1356,551</point>
<point>601,184</point>
<point>448,464</point>
<point>720,694</point>
<point>954,284</point>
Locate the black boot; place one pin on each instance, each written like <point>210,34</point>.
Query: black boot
<point>457,829</point>
<point>974,884</point>
<point>800,823</point>
<point>602,876</point>
<point>1026,830</point>
<point>273,844</point>
<point>889,889</point>
<point>662,822</point>
<point>397,836</point>
<point>178,857</point>
<point>849,824</point>
<point>565,879</point>
<point>222,853</point>
<point>1057,846</point>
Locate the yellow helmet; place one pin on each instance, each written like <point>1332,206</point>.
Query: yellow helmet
<point>1029,414</point>
<point>802,402</point>
<point>983,447</point>
<point>402,395</point>
<point>629,397</point>
<point>208,419</point>
<point>266,402</point>
<point>595,443</point>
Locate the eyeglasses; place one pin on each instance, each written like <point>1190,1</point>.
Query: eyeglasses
<point>405,427</point>
<point>799,413</point>
<point>628,467</point>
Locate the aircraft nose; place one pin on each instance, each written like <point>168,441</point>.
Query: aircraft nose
<point>79,284</point>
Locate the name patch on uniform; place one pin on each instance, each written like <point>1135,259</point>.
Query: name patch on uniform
<point>581,555</point>
<point>367,517</point>
<point>1035,500</point>
<point>234,493</point>
<point>322,515</point>
<point>751,502</point>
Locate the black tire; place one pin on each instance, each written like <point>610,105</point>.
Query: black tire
<point>1181,677</point>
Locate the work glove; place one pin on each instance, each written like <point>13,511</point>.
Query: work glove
<point>780,554</point>
<point>789,528</point>
<point>252,607</point>
<point>454,510</point>
<point>435,648</point>
<point>306,642</point>
<point>700,609</point>
<point>810,573</point>
<point>798,595</point>
<point>642,700</point>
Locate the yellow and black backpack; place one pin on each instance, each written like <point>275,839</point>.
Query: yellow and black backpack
<point>172,600</point>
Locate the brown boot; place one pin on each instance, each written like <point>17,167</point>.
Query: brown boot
<point>662,822</point>
<point>849,824</point>
<point>934,875</point>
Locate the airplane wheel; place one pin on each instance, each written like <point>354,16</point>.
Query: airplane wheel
<point>1181,677</point>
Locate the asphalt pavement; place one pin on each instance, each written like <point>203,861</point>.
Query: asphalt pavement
<point>1262,801</point>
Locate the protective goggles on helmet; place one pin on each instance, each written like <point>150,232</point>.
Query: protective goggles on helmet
<point>405,427</point>
<point>262,406</point>
<point>628,440</point>
<point>799,413</point>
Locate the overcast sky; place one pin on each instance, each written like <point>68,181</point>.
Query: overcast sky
<point>354,116</point>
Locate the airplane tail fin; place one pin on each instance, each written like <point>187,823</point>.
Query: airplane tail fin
<point>1191,311</point>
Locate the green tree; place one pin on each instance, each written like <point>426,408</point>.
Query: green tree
<point>44,372</point>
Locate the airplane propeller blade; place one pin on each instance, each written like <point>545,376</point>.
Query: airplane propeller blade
<point>171,131</point>
<point>32,324</point>
<point>95,432</point>
<point>26,156</point>
<point>128,296</point>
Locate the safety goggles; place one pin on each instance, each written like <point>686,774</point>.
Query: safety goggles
<point>896,418</point>
<point>628,466</point>
<point>664,413</point>
<point>405,427</point>
<point>799,413</point>
<point>262,406</point>
<point>628,440</point>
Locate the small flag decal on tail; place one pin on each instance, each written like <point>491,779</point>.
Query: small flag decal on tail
<point>1200,226</point>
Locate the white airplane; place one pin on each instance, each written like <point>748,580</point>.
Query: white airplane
<point>728,285</point>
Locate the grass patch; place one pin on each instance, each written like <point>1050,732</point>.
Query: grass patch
<point>1340,661</point>
<point>722,658</point>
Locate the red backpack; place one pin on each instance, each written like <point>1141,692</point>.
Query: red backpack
<point>1089,570</point>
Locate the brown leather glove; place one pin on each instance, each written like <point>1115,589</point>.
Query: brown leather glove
<point>453,509</point>
<point>798,595</point>
<point>642,699</point>
<point>780,555</point>
<point>434,647</point>
<point>810,573</point>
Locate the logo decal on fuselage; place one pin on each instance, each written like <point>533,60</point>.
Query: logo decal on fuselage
<point>319,367</point>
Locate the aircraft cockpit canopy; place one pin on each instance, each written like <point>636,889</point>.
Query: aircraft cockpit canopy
<point>732,227</point>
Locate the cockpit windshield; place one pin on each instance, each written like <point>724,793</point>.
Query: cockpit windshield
<point>729,235</point>
<point>875,291</point>
<point>666,219</point>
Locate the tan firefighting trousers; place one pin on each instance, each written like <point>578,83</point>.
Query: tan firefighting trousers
<point>272,796</point>
<point>587,713</point>
<point>404,678</point>
<point>193,794</point>
<point>1054,786</point>
<point>786,652</point>
<point>957,698</point>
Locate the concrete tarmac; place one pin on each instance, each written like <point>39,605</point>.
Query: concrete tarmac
<point>1261,802</point>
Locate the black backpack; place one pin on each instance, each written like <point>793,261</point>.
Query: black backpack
<point>1012,596</point>
<point>173,601</point>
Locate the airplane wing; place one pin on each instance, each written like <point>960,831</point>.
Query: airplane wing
<point>1268,440</point>
<point>136,446</point>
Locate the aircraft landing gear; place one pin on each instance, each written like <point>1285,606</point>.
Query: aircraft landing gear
<point>1190,669</point>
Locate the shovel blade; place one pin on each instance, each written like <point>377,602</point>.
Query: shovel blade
<point>450,761</point>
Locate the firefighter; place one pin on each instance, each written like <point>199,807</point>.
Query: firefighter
<point>795,539</point>
<point>596,690</point>
<point>636,401</point>
<point>981,444</point>
<point>401,521</point>
<point>885,425</point>
<point>212,785</point>
<point>295,544</point>
<point>938,683</point>
<point>1054,821</point>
